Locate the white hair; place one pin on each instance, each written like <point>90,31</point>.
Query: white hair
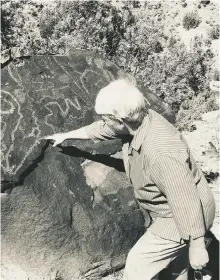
<point>120,98</point>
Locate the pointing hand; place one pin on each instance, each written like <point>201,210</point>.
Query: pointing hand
<point>58,138</point>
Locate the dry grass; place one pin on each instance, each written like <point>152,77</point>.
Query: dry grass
<point>191,20</point>
<point>213,32</point>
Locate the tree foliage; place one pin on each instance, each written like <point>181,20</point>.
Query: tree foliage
<point>132,36</point>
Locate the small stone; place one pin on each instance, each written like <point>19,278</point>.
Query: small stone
<point>205,2</point>
<point>184,5</point>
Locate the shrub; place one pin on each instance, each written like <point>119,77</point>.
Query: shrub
<point>191,20</point>
<point>203,103</point>
<point>176,74</point>
<point>21,29</point>
<point>133,39</point>
<point>62,25</point>
<point>213,32</point>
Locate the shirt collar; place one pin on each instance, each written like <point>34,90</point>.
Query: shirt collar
<point>140,134</point>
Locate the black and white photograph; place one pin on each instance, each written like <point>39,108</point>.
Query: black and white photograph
<point>110,139</point>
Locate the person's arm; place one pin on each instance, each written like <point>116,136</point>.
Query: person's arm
<point>97,131</point>
<point>172,175</point>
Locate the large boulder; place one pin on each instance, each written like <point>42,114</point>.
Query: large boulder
<point>66,212</point>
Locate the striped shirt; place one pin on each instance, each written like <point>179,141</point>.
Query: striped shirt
<point>166,179</point>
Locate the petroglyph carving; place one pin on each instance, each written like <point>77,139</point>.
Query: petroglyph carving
<point>56,94</point>
<point>57,211</point>
<point>50,96</point>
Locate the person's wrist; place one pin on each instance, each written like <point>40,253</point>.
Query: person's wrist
<point>65,135</point>
<point>197,242</point>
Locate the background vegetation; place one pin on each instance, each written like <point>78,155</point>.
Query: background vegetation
<point>132,36</point>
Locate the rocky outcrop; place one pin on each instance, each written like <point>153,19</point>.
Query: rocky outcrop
<point>66,212</point>
<point>205,144</point>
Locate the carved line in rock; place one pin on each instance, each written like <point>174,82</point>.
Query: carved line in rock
<point>13,72</point>
<point>53,90</point>
<point>82,76</point>
<point>3,129</point>
<point>11,184</point>
<point>57,91</point>
<point>10,110</point>
<point>13,172</point>
<point>7,168</point>
<point>64,112</point>
<point>17,79</point>
<point>34,129</point>
<point>62,67</point>
<point>77,106</point>
<point>47,64</point>
<point>68,103</point>
<point>44,89</point>
<point>148,102</point>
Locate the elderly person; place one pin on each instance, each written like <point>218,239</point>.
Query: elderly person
<point>166,180</point>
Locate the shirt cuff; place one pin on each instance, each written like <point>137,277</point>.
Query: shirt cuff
<point>193,235</point>
<point>90,132</point>
<point>99,131</point>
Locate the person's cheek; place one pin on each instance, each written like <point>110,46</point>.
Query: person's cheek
<point>111,125</point>
<point>120,129</point>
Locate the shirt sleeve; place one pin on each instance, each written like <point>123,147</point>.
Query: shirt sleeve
<point>99,131</point>
<point>172,175</point>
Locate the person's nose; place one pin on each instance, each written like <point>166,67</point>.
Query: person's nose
<point>105,118</point>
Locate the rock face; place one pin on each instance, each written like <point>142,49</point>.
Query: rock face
<point>205,144</point>
<point>66,212</point>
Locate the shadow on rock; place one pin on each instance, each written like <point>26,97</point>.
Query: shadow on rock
<point>104,159</point>
<point>8,185</point>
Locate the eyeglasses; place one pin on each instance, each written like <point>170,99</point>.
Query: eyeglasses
<point>109,117</point>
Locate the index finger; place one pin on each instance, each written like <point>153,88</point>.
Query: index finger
<point>49,137</point>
